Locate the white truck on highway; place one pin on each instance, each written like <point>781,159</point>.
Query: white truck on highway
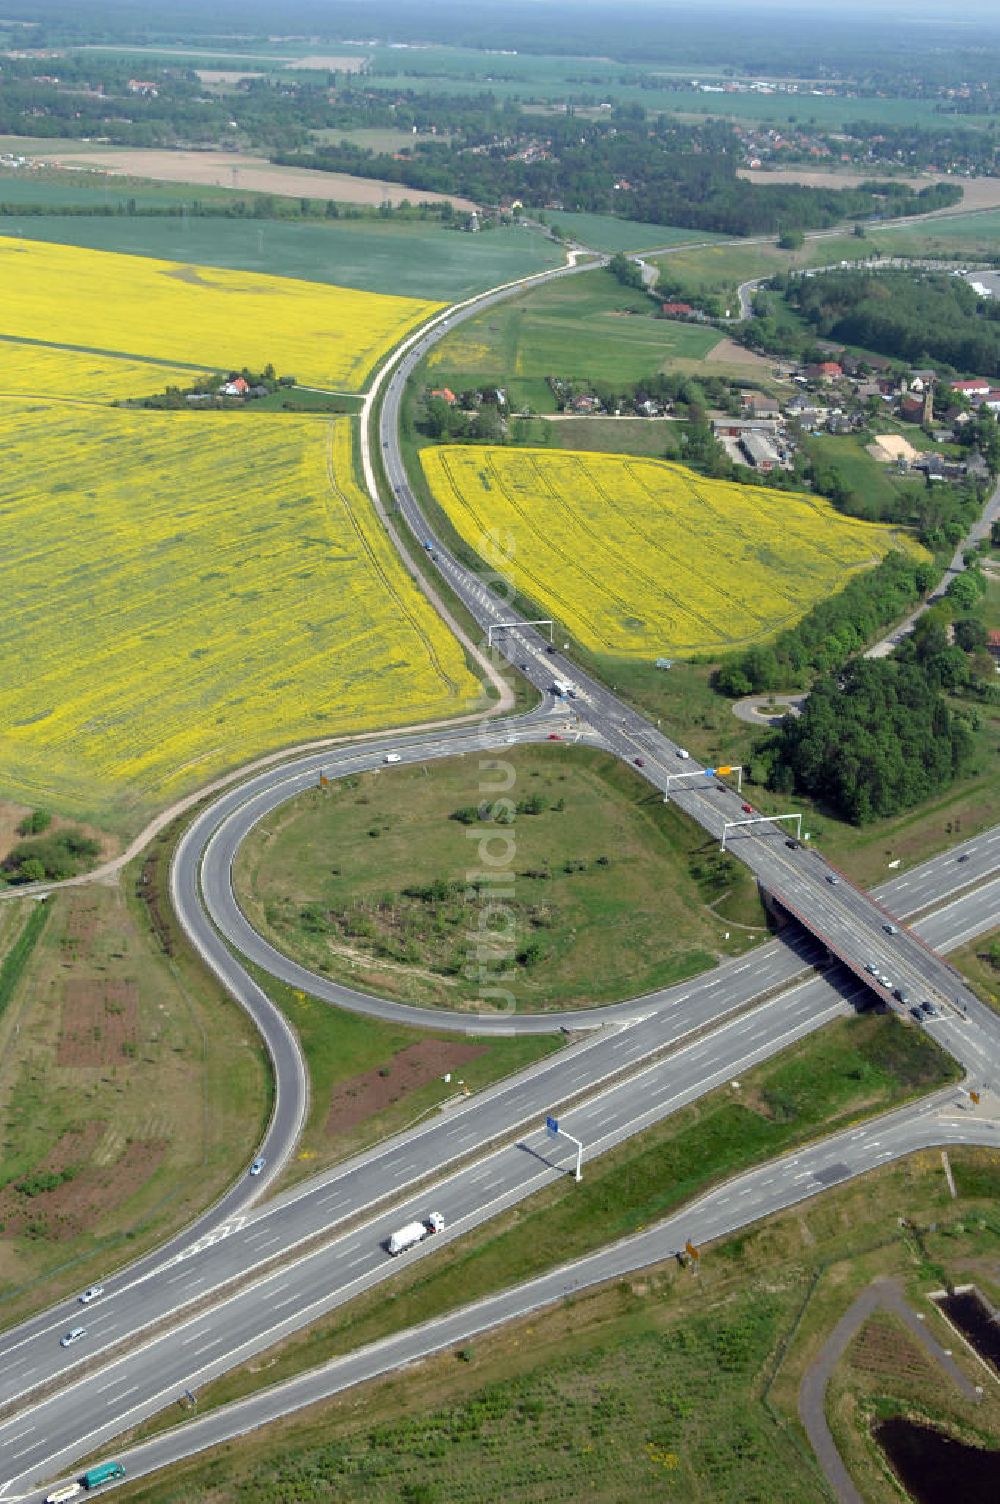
<point>414,1233</point>
<point>560,688</point>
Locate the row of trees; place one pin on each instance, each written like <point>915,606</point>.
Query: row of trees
<point>835,629</point>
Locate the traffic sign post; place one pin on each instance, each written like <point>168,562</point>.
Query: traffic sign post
<point>759,820</point>
<point>554,1131</point>
<point>709,773</point>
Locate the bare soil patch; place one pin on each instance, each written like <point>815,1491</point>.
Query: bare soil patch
<point>99,1022</point>
<point>223,75</point>
<point>336,64</point>
<point>76,1205</point>
<point>364,1096</point>
<point>978,193</point>
<point>882,1347</point>
<point>223,169</point>
<point>728,352</point>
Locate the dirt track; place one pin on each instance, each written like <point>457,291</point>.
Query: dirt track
<point>224,169</point>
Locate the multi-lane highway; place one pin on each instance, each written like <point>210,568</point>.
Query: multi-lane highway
<point>222,1322</point>
<point>242,1277</point>
<point>772,1188</point>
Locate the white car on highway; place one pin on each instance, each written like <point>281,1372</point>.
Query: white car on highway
<point>91,1294</point>
<point>73,1335</point>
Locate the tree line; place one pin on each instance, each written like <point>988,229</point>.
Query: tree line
<point>915,316</point>
<point>657,173</point>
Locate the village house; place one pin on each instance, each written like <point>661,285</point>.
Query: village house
<point>823,370</point>
<point>446,394</point>
<point>237,387</point>
<point>758,405</point>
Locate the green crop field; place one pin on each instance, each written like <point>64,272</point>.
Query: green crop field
<point>606,232</point>
<point>827,112</point>
<point>48,189</point>
<point>586,328</point>
<point>611,888</point>
<point>409,259</point>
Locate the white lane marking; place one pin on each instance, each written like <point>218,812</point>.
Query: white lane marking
<point>199,1350</point>
<point>124,1395</point>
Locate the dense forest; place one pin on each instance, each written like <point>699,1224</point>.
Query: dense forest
<point>658,173</point>
<point>879,736</point>
<point>919,317</point>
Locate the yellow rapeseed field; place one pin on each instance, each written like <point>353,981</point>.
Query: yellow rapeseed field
<point>198,315</point>
<point>44,371</point>
<point>185,590</point>
<point>638,557</point>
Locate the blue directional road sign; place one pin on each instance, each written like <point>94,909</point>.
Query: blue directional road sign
<point>709,772</point>
<point>552,1125</point>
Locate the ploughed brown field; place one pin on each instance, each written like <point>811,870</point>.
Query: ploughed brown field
<point>225,169</point>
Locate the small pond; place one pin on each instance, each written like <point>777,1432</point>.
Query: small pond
<point>970,1313</point>
<point>934,1468</point>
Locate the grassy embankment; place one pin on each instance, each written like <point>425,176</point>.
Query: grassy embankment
<point>132,1090</point>
<point>613,893</point>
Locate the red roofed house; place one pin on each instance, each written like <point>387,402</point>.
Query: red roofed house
<point>975,388</point>
<point>993,643</point>
<point>238,387</point>
<point>826,370</point>
<point>446,394</point>
<point>675,309</point>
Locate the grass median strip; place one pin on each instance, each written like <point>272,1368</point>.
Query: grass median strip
<point>850,1070</point>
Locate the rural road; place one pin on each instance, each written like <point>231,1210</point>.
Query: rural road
<point>979,530</point>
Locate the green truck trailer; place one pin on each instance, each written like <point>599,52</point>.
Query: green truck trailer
<point>104,1473</point>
